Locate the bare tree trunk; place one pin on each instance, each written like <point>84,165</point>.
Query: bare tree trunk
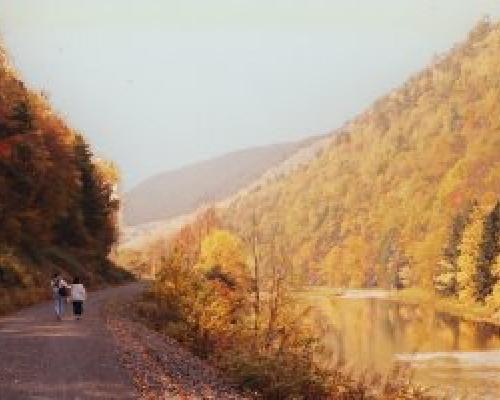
<point>256,273</point>
<point>273,294</point>
<point>272,308</point>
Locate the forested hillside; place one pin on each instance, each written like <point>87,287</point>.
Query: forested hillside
<point>182,191</point>
<point>405,195</point>
<point>382,205</point>
<point>57,211</point>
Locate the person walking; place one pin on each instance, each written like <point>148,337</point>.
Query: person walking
<point>78,296</point>
<point>60,293</point>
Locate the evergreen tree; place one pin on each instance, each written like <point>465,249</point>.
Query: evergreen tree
<point>22,117</point>
<point>402,278</point>
<point>490,248</point>
<point>493,300</point>
<point>97,205</point>
<point>445,281</point>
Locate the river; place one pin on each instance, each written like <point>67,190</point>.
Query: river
<point>450,354</point>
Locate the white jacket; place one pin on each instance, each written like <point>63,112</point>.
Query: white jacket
<point>78,292</point>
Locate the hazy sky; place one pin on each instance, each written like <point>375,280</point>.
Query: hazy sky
<point>155,85</point>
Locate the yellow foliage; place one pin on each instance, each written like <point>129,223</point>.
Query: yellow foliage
<point>398,172</point>
<point>222,249</point>
<point>468,260</point>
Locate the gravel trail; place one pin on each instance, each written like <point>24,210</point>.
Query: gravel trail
<point>42,359</point>
<point>163,369</point>
<point>102,356</point>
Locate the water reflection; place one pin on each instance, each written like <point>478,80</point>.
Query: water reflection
<point>444,350</point>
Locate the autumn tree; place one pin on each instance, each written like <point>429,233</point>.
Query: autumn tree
<point>223,254</point>
<point>468,260</point>
<point>55,205</point>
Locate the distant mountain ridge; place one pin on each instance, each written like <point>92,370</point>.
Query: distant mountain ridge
<point>182,191</point>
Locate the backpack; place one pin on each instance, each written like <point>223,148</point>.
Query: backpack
<point>61,290</point>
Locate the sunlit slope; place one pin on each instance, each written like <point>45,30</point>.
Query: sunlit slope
<point>384,192</point>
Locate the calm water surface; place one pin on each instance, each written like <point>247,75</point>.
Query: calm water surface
<point>446,352</point>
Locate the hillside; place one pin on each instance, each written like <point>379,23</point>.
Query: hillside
<point>376,207</point>
<point>57,210</point>
<point>182,191</point>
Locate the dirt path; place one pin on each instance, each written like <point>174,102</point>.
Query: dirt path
<point>43,359</point>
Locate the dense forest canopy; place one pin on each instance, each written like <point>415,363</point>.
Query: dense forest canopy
<point>378,206</point>
<point>57,207</point>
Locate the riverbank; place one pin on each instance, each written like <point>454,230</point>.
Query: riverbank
<point>413,330</point>
<point>414,296</point>
<point>475,312</point>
